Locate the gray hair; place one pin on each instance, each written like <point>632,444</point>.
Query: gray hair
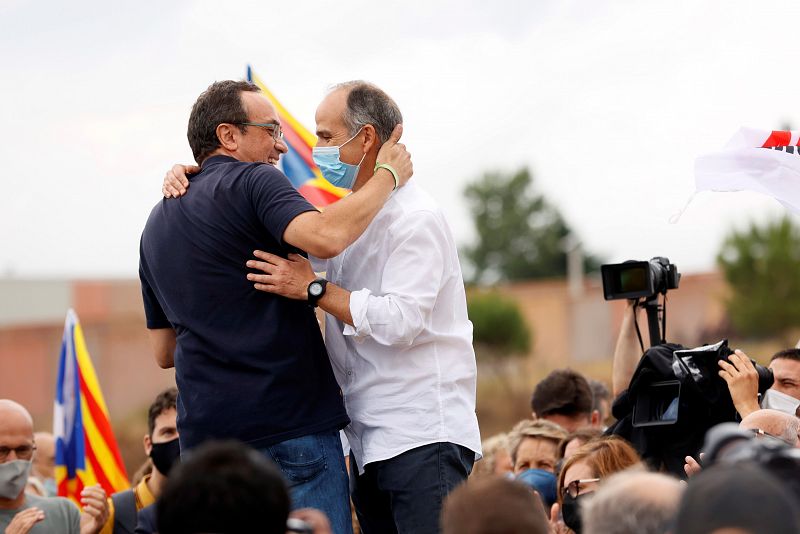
<point>368,104</point>
<point>632,502</point>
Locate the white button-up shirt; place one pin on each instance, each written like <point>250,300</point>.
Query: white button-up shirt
<point>407,368</point>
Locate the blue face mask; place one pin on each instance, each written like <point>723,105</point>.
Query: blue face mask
<point>544,482</point>
<point>333,168</point>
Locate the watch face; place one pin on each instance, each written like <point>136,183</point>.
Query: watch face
<point>315,289</point>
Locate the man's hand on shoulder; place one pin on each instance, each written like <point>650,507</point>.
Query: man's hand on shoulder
<point>396,155</point>
<point>285,277</point>
<point>175,181</point>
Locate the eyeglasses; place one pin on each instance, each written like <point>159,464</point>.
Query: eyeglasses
<point>23,452</point>
<point>758,433</point>
<point>574,487</point>
<point>272,127</point>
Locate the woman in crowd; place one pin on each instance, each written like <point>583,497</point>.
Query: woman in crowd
<point>581,474</point>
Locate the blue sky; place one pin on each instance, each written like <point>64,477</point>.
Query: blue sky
<point>607,102</point>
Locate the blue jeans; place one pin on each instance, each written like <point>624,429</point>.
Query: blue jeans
<point>314,468</point>
<point>404,494</point>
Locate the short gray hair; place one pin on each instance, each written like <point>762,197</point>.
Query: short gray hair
<point>368,104</point>
<point>622,506</point>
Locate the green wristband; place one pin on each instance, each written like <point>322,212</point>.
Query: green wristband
<point>391,170</point>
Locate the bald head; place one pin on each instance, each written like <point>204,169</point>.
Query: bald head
<point>775,423</point>
<point>14,417</point>
<point>632,502</point>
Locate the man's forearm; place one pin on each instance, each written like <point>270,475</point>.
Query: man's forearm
<point>327,234</point>
<point>627,353</point>
<point>336,301</point>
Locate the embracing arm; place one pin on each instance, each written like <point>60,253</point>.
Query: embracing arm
<point>326,234</point>
<point>400,310</point>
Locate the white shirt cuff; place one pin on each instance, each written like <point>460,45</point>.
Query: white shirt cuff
<point>359,304</point>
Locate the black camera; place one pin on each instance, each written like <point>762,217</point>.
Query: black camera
<point>638,279</point>
<point>700,365</point>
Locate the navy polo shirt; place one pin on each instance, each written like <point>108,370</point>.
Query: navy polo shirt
<point>249,365</point>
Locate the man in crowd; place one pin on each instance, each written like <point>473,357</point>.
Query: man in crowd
<point>601,401</point>
<point>564,397</point>
<point>396,328</point>
<point>224,487</point>
<point>738,372</point>
<point>632,502</point>
<point>42,480</point>
<point>774,423</point>
<point>161,445</point>
<point>735,499</point>
<point>492,505</point>
<point>22,512</point>
<point>235,347</point>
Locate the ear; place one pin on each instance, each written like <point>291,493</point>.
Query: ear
<point>534,416</point>
<point>148,444</point>
<point>370,138</point>
<point>228,136</point>
<point>595,419</point>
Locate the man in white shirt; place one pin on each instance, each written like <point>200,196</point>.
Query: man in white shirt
<point>396,328</point>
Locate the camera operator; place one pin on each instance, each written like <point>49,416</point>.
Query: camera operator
<point>742,379</point>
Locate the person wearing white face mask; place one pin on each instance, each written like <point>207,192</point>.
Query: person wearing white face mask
<point>21,513</point>
<point>397,330</point>
<point>742,379</point>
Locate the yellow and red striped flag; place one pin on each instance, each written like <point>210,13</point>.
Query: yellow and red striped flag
<point>86,451</point>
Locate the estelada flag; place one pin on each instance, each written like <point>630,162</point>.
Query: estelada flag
<point>764,161</point>
<point>86,451</point>
<point>297,164</point>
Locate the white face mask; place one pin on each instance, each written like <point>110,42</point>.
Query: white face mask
<point>775,400</point>
<point>13,478</point>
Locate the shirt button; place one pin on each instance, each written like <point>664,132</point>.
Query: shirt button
<point>349,373</point>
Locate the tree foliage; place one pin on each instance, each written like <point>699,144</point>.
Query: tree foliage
<point>762,267</point>
<point>498,324</point>
<point>520,234</point>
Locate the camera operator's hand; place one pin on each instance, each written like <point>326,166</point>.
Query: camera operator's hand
<point>742,378</point>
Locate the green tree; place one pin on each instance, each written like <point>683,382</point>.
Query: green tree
<point>520,234</point>
<point>499,329</point>
<point>762,267</point>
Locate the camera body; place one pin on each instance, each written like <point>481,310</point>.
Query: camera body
<point>639,279</point>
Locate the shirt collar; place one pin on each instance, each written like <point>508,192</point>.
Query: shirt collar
<point>216,159</point>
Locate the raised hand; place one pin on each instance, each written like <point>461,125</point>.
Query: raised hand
<point>395,154</point>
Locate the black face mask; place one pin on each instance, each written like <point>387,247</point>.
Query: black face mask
<point>164,455</point>
<point>570,510</point>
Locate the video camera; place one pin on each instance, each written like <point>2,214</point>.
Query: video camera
<point>639,279</point>
<point>643,280</point>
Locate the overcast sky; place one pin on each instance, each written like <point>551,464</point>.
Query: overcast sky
<point>608,103</point>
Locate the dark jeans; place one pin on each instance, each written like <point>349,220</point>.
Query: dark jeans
<point>315,472</point>
<point>404,494</point>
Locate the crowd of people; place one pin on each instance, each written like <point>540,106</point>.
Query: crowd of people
<point>273,428</point>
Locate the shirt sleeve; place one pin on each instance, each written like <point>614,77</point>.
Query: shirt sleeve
<point>412,276</point>
<point>274,199</point>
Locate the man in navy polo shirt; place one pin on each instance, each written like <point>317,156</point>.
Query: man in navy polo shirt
<point>249,365</point>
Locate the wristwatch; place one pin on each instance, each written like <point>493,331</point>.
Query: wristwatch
<point>315,291</point>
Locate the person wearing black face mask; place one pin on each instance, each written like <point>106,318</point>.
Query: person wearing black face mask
<point>581,474</point>
<point>162,447</point>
